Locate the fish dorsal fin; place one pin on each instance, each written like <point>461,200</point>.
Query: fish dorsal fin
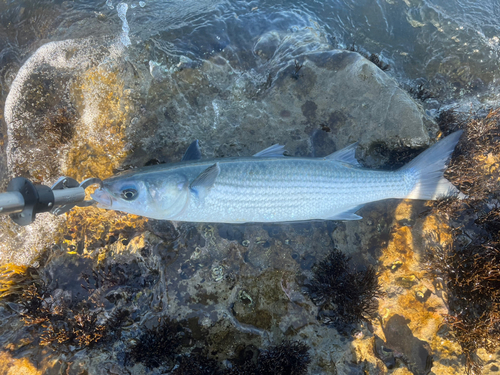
<point>346,155</point>
<point>202,184</point>
<point>275,151</point>
<point>193,152</point>
<point>348,214</point>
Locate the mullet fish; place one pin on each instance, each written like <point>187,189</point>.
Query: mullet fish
<point>270,187</point>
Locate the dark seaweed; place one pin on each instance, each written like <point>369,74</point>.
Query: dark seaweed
<point>345,296</point>
<point>297,68</point>
<point>196,364</point>
<point>157,346</point>
<point>469,267</point>
<point>373,57</point>
<point>288,358</point>
<point>419,92</point>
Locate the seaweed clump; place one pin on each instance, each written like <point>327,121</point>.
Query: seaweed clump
<point>345,296</point>
<point>469,267</point>
<point>471,276</point>
<point>58,322</point>
<point>61,318</point>
<point>196,364</point>
<point>288,358</point>
<point>14,279</point>
<point>475,167</point>
<point>373,57</point>
<point>419,92</point>
<point>157,346</point>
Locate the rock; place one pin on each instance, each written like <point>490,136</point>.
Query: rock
<point>313,101</point>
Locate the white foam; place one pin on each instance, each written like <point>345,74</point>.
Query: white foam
<point>122,13</point>
<point>62,56</point>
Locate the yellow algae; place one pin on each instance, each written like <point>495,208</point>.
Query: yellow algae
<point>410,294</point>
<point>437,229</point>
<point>99,146</point>
<point>402,371</point>
<point>424,316</point>
<point>90,227</point>
<point>14,279</point>
<point>398,258</point>
<point>363,352</point>
<point>403,210</point>
<point>14,366</point>
<point>489,163</point>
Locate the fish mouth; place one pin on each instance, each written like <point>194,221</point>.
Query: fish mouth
<point>103,198</point>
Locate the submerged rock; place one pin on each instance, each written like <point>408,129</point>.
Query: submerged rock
<point>312,100</point>
<point>229,286</point>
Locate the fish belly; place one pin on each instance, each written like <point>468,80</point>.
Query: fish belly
<point>291,189</point>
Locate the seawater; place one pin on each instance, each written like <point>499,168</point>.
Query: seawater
<point>450,47</point>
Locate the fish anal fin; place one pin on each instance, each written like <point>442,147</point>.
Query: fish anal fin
<point>274,151</point>
<point>346,155</point>
<point>193,152</point>
<point>202,184</point>
<point>348,214</point>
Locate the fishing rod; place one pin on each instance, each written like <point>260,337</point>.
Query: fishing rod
<point>24,199</point>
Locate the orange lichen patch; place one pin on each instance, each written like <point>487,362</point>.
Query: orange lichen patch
<point>14,279</point>
<point>99,146</point>
<point>14,366</point>
<point>404,278</point>
<point>400,263</point>
<point>403,210</point>
<point>363,352</point>
<point>97,150</point>
<point>91,227</point>
<point>402,371</point>
<point>425,316</point>
<point>489,163</point>
<point>436,228</point>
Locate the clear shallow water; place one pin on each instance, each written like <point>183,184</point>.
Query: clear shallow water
<point>452,48</point>
<point>415,36</point>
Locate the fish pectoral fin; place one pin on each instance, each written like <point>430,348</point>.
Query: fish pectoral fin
<point>202,184</point>
<point>346,155</point>
<point>348,214</point>
<point>275,151</point>
<point>193,152</point>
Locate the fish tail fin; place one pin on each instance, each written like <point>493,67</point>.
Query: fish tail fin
<point>430,166</point>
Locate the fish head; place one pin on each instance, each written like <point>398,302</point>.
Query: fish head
<point>157,195</point>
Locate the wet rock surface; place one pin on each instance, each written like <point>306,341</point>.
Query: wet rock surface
<point>225,295</point>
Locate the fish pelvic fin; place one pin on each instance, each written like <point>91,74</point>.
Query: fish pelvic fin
<point>347,214</point>
<point>429,168</point>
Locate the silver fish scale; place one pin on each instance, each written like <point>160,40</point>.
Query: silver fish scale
<point>287,189</point>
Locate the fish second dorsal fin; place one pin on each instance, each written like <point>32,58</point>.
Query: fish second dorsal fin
<point>275,151</point>
<point>193,152</point>
<point>202,184</point>
<point>346,155</point>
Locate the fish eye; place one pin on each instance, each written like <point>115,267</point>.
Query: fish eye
<point>129,194</point>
